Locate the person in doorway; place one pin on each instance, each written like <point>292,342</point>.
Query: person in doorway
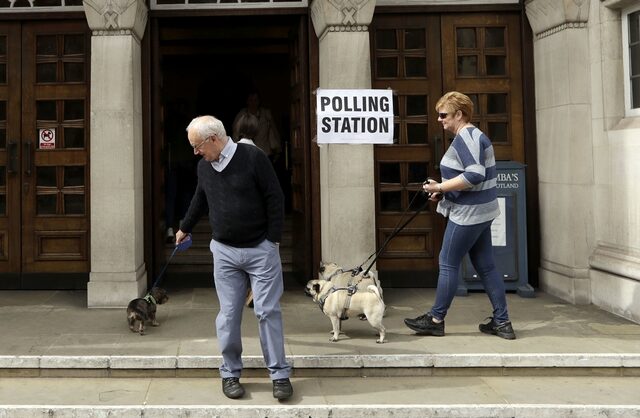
<point>246,126</point>
<point>239,188</point>
<point>267,137</point>
<point>179,166</point>
<point>467,197</point>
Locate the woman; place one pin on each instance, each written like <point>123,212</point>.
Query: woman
<point>468,186</point>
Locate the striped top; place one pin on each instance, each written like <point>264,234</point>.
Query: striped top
<point>470,157</point>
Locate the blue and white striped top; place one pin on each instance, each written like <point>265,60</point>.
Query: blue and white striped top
<point>470,156</point>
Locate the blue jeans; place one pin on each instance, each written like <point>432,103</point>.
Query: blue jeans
<point>476,240</point>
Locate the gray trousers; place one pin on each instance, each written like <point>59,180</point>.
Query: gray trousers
<point>262,266</point>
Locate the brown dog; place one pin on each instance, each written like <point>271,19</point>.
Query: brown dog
<point>144,309</point>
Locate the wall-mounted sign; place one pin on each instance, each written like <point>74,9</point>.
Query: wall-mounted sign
<point>354,116</point>
<point>47,138</point>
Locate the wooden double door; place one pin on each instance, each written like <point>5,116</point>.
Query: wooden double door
<point>420,57</point>
<point>44,159</point>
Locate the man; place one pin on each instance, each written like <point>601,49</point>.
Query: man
<point>239,188</point>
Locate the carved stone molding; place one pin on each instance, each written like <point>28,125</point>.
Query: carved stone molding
<point>116,17</point>
<point>616,259</point>
<point>550,16</point>
<point>341,15</point>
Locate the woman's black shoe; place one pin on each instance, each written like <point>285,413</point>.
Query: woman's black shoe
<point>503,330</point>
<point>424,325</point>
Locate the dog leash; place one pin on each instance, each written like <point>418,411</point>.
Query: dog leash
<point>395,231</point>
<point>184,245</point>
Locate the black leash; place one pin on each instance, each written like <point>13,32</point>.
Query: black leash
<point>185,244</point>
<point>394,233</point>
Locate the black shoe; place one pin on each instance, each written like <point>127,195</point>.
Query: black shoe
<point>232,388</point>
<point>504,330</point>
<point>424,325</point>
<point>282,388</point>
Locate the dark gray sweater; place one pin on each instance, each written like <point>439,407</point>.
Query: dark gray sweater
<point>245,201</point>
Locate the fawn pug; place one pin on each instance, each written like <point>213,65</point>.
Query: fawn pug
<point>334,301</point>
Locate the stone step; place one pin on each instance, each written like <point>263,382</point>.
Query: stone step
<point>469,364</point>
<point>336,397</point>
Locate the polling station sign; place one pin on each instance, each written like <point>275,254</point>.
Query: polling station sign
<point>354,116</point>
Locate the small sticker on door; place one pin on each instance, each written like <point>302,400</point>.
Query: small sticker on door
<point>47,138</point>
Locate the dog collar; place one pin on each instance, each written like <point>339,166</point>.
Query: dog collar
<point>150,299</point>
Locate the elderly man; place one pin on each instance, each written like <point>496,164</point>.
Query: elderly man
<point>239,187</point>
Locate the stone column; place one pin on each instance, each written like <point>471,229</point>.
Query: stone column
<point>564,144</point>
<point>118,273</point>
<point>346,171</point>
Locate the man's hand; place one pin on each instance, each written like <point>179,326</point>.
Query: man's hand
<point>180,236</point>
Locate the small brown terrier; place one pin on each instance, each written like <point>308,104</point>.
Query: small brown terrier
<point>144,309</point>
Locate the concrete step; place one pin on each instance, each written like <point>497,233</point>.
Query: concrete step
<point>406,397</point>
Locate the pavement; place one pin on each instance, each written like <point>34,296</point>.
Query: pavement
<point>59,358</point>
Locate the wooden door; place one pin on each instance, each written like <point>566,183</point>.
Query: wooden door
<point>299,132</point>
<point>10,136</point>
<point>421,57</point>
<point>407,59</point>
<point>46,164</point>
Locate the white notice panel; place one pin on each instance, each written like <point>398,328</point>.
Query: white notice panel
<point>499,226</point>
<point>354,116</point>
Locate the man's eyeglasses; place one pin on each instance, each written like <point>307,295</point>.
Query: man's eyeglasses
<point>196,147</point>
<point>443,115</point>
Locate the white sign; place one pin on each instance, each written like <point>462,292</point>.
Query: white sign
<point>499,226</point>
<point>47,138</point>
<point>354,116</point>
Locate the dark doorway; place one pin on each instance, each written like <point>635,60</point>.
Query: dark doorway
<point>209,65</point>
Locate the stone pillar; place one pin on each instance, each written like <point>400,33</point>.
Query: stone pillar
<point>564,144</point>
<point>347,184</point>
<point>118,273</point>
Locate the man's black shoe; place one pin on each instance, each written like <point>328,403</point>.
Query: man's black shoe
<point>424,325</point>
<point>232,388</point>
<point>282,389</point>
<point>504,330</point>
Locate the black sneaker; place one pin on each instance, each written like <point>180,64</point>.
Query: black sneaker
<point>424,325</point>
<point>504,330</point>
<point>282,389</point>
<point>232,388</point>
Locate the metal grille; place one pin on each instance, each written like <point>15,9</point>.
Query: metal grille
<point>40,5</point>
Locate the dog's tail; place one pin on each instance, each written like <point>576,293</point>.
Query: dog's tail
<point>374,289</point>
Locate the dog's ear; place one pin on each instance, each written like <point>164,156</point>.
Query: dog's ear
<point>316,287</point>
<point>321,269</point>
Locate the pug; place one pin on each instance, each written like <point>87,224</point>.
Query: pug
<point>342,278</point>
<point>144,309</point>
<point>332,301</point>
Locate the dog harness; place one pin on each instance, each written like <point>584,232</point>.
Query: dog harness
<point>150,299</point>
<point>350,291</point>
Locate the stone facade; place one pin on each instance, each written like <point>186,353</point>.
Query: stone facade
<point>587,153</point>
<point>118,272</point>
<point>587,150</point>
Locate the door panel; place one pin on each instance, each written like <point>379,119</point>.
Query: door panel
<point>421,57</point>
<point>10,96</point>
<point>406,58</point>
<point>55,184</point>
<point>300,192</point>
<point>482,58</point>
<point>44,201</point>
